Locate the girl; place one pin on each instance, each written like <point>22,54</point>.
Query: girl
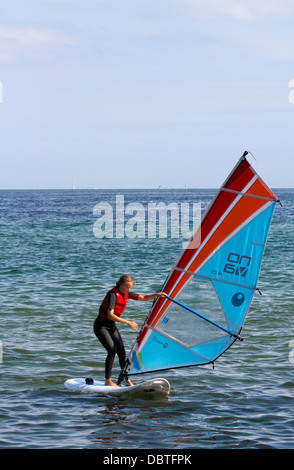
<point>110,312</point>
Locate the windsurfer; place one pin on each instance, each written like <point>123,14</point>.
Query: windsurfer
<point>110,312</point>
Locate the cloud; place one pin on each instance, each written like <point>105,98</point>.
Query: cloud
<point>239,9</point>
<point>14,42</point>
<point>35,37</point>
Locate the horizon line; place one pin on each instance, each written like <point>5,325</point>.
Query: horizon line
<point>160,188</point>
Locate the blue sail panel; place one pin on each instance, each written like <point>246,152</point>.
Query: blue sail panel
<point>238,260</point>
<point>215,348</point>
<point>235,301</point>
<point>160,352</point>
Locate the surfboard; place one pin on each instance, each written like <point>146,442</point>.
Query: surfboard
<point>156,386</point>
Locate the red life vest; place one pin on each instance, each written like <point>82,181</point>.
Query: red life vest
<point>120,304</point>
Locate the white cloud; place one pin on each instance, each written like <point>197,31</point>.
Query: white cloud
<point>257,9</point>
<point>15,42</point>
<point>239,9</point>
<point>35,37</point>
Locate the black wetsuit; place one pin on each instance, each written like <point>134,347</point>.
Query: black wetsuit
<point>109,336</point>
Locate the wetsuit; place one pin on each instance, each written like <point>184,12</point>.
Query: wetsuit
<point>106,330</point>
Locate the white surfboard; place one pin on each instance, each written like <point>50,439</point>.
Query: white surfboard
<point>150,387</point>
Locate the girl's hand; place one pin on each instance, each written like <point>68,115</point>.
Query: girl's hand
<point>133,325</point>
<point>161,294</point>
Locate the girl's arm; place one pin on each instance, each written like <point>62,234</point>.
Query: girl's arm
<point>113,317</point>
<point>150,296</point>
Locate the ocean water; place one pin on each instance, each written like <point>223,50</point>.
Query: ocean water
<point>54,274</point>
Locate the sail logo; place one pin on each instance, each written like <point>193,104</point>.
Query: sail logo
<point>238,299</point>
<point>237,264</point>
<point>165,345</point>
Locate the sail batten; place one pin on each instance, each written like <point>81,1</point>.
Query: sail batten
<point>246,194</point>
<point>215,277</point>
<point>211,278</point>
<point>180,343</point>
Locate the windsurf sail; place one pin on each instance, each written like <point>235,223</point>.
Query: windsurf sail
<point>212,283</point>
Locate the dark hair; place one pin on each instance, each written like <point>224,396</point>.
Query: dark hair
<point>123,280</point>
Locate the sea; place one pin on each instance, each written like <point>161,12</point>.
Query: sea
<point>56,266</point>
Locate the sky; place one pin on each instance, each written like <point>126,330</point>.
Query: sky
<point>143,93</point>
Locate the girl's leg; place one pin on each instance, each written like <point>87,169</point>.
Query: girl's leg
<point>106,340</point>
<point>120,349</point>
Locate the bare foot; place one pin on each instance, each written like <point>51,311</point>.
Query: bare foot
<point>128,382</point>
<point>109,382</point>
